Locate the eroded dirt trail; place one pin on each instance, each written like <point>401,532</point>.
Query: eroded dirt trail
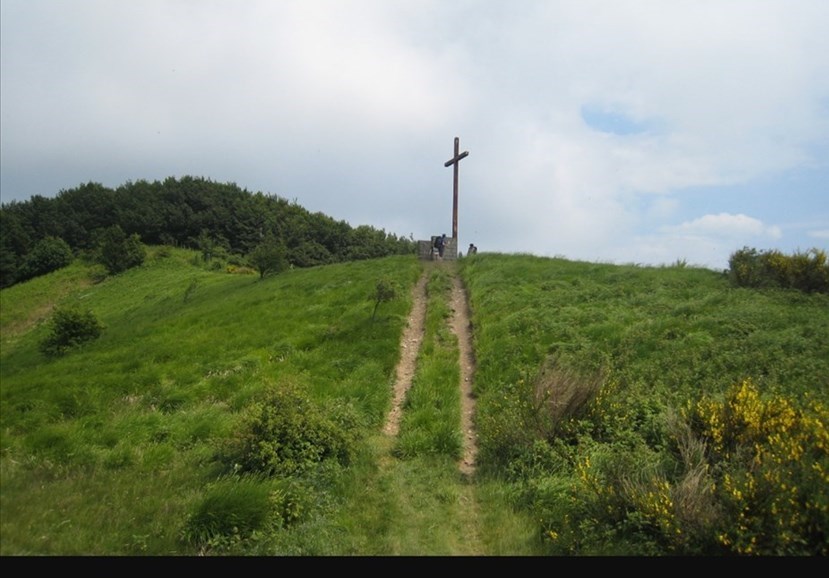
<point>462,327</point>
<point>420,507</point>
<point>410,346</point>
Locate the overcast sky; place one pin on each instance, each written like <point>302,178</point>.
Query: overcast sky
<point>617,131</point>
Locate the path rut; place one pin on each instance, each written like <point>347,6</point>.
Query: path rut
<point>410,346</point>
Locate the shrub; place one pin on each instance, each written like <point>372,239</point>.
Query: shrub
<point>287,434</point>
<point>744,268</point>
<point>49,254</point>
<point>97,273</point>
<point>384,291</point>
<point>231,508</point>
<point>70,327</point>
<point>310,254</point>
<point>809,271</point>
<point>560,395</point>
<point>772,464</point>
<point>119,252</point>
<point>236,509</point>
<point>268,257</point>
<point>747,476</point>
<point>805,271</point>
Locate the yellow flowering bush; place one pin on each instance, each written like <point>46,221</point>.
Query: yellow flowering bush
<point>772,461</point>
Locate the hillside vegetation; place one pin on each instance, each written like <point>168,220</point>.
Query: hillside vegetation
<point>224,222</point>
<point>621,410</point>
<point>650,411</point>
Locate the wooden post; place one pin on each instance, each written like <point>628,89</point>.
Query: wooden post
<point>455,160</point>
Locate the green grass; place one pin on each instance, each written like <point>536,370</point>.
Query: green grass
<point>601,391</point>
<point>431,417</point>
<point>150,401</point>
<point>658,341</point>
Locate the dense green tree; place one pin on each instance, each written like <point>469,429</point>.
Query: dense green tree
<point>49,254</point>
<point>84,209</point>
<point>9,269</point>
<point>209,246</point>
<point>14,243</point>
<point>178,212</point>
<point>269,256</point>
<point>310,253</point>
<point>119,251</point>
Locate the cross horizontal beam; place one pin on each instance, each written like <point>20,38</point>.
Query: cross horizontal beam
<point>452,161</point>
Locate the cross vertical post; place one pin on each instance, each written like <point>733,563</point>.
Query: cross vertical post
<point>455,160</point>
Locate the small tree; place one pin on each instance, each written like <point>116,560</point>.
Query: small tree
<point>70,327</point>
<point>269,256</point>
<point>119,252</point>
<point>211,247</point>
<point>49,254</point>
<point>384,291</point>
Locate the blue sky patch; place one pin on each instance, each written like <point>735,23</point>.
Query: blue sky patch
<point>611,121</point>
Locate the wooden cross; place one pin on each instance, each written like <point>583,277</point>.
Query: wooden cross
<point>454,161</point>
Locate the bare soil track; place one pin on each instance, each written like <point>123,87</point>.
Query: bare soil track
<point>409,347</point>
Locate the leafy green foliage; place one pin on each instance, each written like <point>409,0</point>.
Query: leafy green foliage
<point>70,327</point>
<point>311,254</point>
<point>210,247</point>
<point>237,508</point>
<point>220,220</point>
<point>805,271</point>
<point>49,254</point>
<point>268,257</point>
<point>587,376</point>
<point>769,461</point>
<point>118,251</point>
<point>384,292</point>
<point>287,434</point>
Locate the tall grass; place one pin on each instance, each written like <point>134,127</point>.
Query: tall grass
<point>621,410</point>
<point>636,347</point>
<point>431,416</point>
<point>126,429</point>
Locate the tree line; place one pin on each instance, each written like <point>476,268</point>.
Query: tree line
<point>218,219</point>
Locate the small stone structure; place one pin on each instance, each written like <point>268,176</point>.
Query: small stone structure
<point>450,251</point>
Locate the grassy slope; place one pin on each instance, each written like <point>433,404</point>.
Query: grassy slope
<point>120,435</point>
<point>107,450</point>
<point>669,331</point>
<point>655,340</point>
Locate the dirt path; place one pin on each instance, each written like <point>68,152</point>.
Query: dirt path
<point>462,326</point>
<point>410,345</point>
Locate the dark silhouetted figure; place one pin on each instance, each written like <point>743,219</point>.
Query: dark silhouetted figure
<point>440,245</point>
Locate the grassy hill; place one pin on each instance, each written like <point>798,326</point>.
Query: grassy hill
<point>615,414</point>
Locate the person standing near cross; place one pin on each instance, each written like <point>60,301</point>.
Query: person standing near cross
<point>454,161</point>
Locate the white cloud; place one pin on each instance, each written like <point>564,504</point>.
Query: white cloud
<point>725,225</point>
<point>351,108</point>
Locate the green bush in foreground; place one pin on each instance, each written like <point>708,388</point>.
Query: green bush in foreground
<point>748,477</point>
<point>771,466</point>
<point>70,327</point>
<point>286,434</point>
